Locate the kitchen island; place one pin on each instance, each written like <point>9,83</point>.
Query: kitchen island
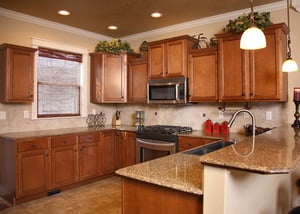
<point>233,179</point>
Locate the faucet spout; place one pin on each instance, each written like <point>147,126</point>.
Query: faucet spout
<point>231,121</point>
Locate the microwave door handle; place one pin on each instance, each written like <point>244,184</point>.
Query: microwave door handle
<point>177,91</point>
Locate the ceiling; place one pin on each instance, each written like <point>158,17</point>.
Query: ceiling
<point>131,16</point>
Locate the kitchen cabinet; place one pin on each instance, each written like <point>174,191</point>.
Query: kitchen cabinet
<point>125,149</point>
<point>168,57</point>
<point>142,197</point>
<point>203,75</point>
<point>185,143</point>
<point>137,80</point>
<point>108,80</point>
<point>16,73</point>
<point>32,167</point>
<point>64,164</point>
<point>247,75</point>
<point>89,160</point>
<point>107,152</point>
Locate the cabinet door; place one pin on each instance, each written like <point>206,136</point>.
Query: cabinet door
<point>32,173</point>
<point>156,60</point>
<point>202,74</point>
<point>267,80</point>
<point>120,149</point>
<point>88,160</point>
<point>130,148</point>
<point>114,78</point>
<point>64,160</point>
<point>176,52</point>
<point>17,66</point>
<point>137,80</point>
<point>96,79</point>
<point>107,151</point>
<point>233,70</point>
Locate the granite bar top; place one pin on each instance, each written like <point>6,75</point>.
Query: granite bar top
<point>276,151</point>
<point>55,132</point>
<point>178,171</point>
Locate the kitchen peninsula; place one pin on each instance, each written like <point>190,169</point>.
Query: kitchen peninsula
<point>229,178</point>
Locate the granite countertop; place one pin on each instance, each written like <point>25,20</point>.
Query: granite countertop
<point>178,171</point>
<point>276,151</point>
<point>55,132</point>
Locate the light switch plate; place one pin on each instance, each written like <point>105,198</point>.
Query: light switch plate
<point>268,115</point>
<point>26,114</point>
<point>2,115</point>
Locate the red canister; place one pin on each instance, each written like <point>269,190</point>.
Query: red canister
<point>208,126</point>
<point>224,128</point>
<point>217,128</point>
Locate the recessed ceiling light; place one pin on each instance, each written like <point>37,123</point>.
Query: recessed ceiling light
<point>63,12</point>
<point>112,27</point>
<point>156,15</point>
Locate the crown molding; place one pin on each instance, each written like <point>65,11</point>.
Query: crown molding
<point>51,24</point>
<point>208,20</point>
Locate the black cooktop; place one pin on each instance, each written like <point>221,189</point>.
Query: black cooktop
<point>162,132</point>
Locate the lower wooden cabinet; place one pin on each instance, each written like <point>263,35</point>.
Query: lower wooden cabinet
<point>88,155</point>
<point>141,197</point>
<point>32,167</point>
<point>64,164</point>
<point>107,152</point>
<point>125,149</point>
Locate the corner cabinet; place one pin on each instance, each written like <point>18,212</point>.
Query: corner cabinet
<point>108,78</point>
<point>253,75</point>
<point>203,75</point>
<point>137,80</point>
<point>16,73</point>
<point>168,58</point>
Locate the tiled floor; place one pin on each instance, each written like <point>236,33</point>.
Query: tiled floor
<point>102,197</point>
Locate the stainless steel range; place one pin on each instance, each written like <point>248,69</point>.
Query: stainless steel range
<point>157,141</point>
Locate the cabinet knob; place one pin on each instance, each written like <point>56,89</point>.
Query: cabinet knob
<point>65,142</point>
<point>251,94</point>
<point>161,72</point>
<point>243,94</point>
<point>46,155</point>
<point>33,145</point>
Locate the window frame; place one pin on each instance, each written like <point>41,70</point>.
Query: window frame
<point>36,43</point>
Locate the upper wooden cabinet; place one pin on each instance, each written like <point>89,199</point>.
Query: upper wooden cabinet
<point>108,78</point>
<point>168,57</point>
<point>137,80</point>
<point>16,73</point>
<point>253,75</point>
<point>202,74</point>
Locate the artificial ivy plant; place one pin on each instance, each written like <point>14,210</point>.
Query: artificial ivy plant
<point>115,46</point>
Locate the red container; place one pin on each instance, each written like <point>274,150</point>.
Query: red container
<point>224,128</point>
<point>217,128</point>
<point>208,126</point>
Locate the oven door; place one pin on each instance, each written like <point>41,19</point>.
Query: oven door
<point>147,149</point>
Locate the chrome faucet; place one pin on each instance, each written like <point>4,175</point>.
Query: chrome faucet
<point>245,111</point>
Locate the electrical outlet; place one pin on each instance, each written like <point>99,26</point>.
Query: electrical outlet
<point>268,115</point>
<point>26,114</point>
<point>93,111</point>
<point>221,114</point>
<point>2,115</point>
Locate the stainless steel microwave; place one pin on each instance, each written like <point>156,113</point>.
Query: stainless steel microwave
<point>167,90</point>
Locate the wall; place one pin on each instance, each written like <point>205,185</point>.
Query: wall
<point>19,32</point>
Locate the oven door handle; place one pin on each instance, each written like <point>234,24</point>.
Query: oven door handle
<point>155,142</point>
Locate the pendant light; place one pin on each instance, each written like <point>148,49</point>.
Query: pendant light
<point>253,38</point>
<point>289,64</point>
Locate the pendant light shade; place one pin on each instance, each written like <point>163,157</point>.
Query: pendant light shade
<point>253,38</point>
<point>289,64</point>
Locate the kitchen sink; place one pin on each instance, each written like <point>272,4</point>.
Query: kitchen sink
<point>202,150</point>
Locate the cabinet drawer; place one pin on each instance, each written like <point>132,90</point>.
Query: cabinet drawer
<point>32,144</point>
<point>89,138</point>
<point>63,141</point>
<point>191,142</point>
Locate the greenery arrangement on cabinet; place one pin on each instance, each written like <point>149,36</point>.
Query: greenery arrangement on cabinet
<point>243,22</point>
<point>115,46</point>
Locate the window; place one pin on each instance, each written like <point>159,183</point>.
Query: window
<point>60,81</point>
